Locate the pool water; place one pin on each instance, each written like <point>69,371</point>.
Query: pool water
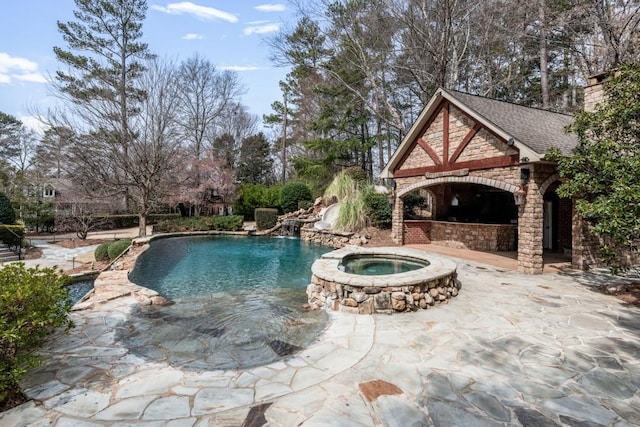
<point>238,301</point>
<point>79,289</point>
<point>377,266</point>
<point>188,267</point>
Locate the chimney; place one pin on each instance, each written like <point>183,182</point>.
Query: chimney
<point>593,93</point>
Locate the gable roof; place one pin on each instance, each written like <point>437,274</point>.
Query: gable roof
<point>534,131</point>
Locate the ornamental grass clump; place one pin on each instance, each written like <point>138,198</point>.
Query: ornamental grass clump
<point>343,187</point>
<point>354,213</point>
<point>351,216</point>
<point>33,302</point>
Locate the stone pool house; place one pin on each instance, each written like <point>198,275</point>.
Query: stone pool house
<point>481,164</point>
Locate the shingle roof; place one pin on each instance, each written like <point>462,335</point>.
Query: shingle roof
<point>540,130</point>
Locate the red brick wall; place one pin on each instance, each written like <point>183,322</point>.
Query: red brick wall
<point>417,232</point>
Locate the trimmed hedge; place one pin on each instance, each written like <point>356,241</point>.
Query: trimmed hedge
<point>109,222</point>
<point>116,248</point>
<point>8,235</point>
<point>201,223</point>
<point>111,251</point>
<point>102,252</point>
<point>266,218</point>
<point>129,221</point>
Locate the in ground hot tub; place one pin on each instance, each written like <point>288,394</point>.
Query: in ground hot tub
<point>378,265</point>
<point>381,280</point>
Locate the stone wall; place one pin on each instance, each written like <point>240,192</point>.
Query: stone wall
<point>387,299</point>
<point>585,253</point>
<point>594,94</point>
<point>334,239</point>
<point>477,237</point>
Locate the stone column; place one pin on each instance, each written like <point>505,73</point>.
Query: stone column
<point>530,218</point>
<point>397,225</point>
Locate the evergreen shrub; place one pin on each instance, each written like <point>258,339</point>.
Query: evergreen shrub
<point>253,196</point>
<point>201,223</point>
<point>116,248</point>
<point>7,213</point>
<point>266,218</point>
<point>292,194</point>
<point>33,301</point>
<point>102,252</point>
<point>378,208</point>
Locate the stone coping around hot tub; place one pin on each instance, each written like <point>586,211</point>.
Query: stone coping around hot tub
<point>326,268</point>
<point>335,290</point>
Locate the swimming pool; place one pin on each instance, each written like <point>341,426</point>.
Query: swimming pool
<point>238,301</point>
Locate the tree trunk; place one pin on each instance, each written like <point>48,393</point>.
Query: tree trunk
<point>544,65</point>
<point>142,224</point>
<point>380,143</point>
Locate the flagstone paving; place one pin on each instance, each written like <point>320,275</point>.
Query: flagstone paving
<point>509,350</point>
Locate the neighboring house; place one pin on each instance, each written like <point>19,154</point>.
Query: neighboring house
<point>483,163</point>
<point>67,199</point>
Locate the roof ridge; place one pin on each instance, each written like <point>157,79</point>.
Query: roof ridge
<point>453,92</point>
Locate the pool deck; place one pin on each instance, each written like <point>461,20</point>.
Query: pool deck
<point>509,350</point>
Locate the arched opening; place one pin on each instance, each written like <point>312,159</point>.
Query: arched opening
<point>475,203</point>
<point>478,216</point>
<point>418,205</point>
<point>557,222</point>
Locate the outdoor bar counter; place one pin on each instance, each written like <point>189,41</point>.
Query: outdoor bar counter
<point>475,236</point>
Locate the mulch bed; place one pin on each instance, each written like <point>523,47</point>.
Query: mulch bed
<point>15,398</point>
<point>32,253</point>
<point>629,293</point>
<point>77,243</point>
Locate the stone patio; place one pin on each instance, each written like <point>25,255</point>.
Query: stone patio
<point>509,350</point>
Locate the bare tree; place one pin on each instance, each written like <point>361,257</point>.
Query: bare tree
<point>51,152</point>
<point>25,142</point>
<point>151,162</point>
<point>206,95</point>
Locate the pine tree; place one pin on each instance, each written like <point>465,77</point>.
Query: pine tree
<point>105,60</point>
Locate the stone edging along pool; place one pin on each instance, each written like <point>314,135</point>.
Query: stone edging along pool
<point>333,289</point>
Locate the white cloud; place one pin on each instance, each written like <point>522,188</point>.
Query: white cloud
<point>271,8</point>
<point>238,68</point>
<point>14,67</point>
<point>261,29</point>
<point>31,77</point>
<point>189,8</point>
<point>192,36</point>
<point>8,62</point>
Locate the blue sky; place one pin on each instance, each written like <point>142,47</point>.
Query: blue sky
<point>228,33</point>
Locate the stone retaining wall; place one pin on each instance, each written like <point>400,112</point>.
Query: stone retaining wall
<point>334,239</point>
